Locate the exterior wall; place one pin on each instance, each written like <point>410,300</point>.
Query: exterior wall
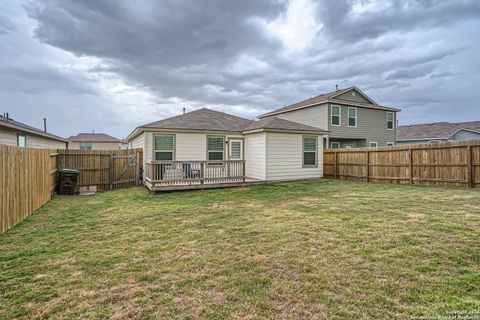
<point>466,135</point>
<point>98,145</point>
<point>8,137</point>
<point>188,146</point>
<point>41,142</point>
<point>138,142</point>
<point>284,158</point>
<point>350,97</point>
<point>371,126</point>
<point>316,116</point>
<point>255,144</point>
<point>349,143</point>
<point>33,141</point>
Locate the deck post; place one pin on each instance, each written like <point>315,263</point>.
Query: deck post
<point>336,165</point>
<point>469,167</point>
<point>202,172</point>
<point>367,167</point>
<point>243,170</point>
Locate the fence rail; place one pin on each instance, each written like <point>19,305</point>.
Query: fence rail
<point>449,163</point>
<point>168,173</point>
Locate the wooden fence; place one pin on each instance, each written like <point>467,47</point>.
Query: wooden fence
<point>106,169</point>
<point>27,181</point>
<point>28,175</point>
<point>449,163</point>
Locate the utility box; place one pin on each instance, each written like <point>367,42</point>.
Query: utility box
<point>67,183</point>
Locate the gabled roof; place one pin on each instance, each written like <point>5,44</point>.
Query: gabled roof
<point>12,124</point>
<point>93,137</point>
<point>329,97</point>
<point>202,119</point>
<point>432,131</point>
<point>275,123</point>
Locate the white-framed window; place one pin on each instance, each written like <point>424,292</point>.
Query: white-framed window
<point>390,144</point>
<point>335,116</point>
<point>215,148</point>
<point>373,144</point>
<point>310,144</point>
<point>164,146</point>
<point>352,117</point>
<point>85,146</point>
<point>390,120</point>
<point>335,145</point>
<point>21,140</point>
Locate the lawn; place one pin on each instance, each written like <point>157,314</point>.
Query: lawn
<point>324,249</point>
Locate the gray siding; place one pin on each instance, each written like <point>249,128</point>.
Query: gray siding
<point>466,135</point>
<point>8,137</point>
<point>371,126</point>
<point>316,116</point>
<point>349,96</point>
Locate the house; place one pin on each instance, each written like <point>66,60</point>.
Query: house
<point>19,134</point>
<point>351,117</point>
<point>207,147</point>
<point>96,141</point>
<point>437,132</point>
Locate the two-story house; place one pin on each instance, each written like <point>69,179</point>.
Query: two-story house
<point>351,117</point>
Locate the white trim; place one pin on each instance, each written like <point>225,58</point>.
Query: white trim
<point>348,117</point>
<point>393,121</point>
<point>160,150</point>
<point>339,116</point>
<point>336,143</point>
<point>370,144</point>
<point>390,144</point>
<point>469,130</point>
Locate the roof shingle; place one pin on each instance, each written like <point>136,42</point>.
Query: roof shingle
<point>281,124</point>
<point>431,131</point>
<point>93,137</point>
<point>13,124</point>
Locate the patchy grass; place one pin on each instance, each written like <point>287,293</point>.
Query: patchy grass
<point>329,249</point>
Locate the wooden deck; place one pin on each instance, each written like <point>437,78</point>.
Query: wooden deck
<point>188,175</point>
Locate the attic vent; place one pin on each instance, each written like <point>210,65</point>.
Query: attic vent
<point>353,94</point>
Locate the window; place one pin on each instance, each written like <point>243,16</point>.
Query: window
<point>390,144</point>
<point>335,116</point>
<point>164,147</point>
<point>215,148</point>
<point>21,141</point>
<point>309,151</point>
<point>390,120</point>
<point>373,144</point>
<point>352,117</point>
<point>335,145</point>
<point>85,146</point>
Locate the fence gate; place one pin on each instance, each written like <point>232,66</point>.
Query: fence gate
<point>106,169</point>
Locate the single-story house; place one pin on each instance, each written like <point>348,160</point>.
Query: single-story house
<point>210,147</point>
<point>438,132</point>
<point>19,134</point>
<point>96,141</point>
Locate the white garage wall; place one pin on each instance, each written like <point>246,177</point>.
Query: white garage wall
<point>255,156</point>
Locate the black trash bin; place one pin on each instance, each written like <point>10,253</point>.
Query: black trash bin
<point>67,183</point>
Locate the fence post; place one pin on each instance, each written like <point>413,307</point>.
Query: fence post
<point>243,170</point>
<point>336,164</point>
<point>110,171</point>
<point>202,172</point>
<point>410,160</point>
<point>367,174</point>
<point>469,167</point>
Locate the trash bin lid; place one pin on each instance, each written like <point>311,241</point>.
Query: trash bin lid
<point>69,171</point>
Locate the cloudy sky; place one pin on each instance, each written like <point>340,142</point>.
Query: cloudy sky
<point>110,65</point>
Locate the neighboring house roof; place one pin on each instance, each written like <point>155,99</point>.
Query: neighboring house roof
<point>275,123</point>
<point>432,131</point>
<point>329,97</point>
<point>214,121</point>
<point>13,124</point>
<point>93,137</point>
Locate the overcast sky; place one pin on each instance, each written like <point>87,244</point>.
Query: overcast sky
<point>111,65</point>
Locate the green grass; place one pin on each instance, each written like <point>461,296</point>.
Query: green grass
<point>328,249</point>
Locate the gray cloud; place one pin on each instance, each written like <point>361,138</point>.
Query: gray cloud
<point>132,61</point>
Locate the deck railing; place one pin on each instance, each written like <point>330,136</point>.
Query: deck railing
<point>164,173</point>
